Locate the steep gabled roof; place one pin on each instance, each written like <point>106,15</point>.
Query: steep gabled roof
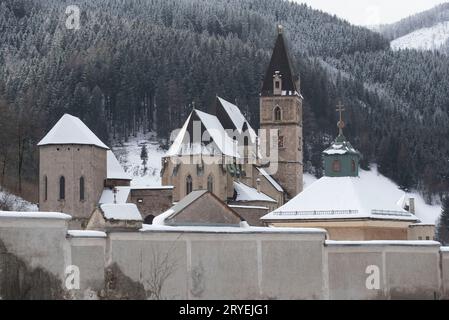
<point>71,130</point>
<point>237,118</point>
<point>270,179</point>
<point>115,170</point>
<point>280,61</point>
<point>221,143</point>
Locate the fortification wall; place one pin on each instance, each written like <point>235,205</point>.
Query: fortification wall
<point>197,263</point>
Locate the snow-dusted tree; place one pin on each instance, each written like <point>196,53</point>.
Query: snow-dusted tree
<point>443,224</point>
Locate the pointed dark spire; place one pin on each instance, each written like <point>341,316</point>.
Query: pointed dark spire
<point>280,62</point>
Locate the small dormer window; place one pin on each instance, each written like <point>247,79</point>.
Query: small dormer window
<point>277,83</point>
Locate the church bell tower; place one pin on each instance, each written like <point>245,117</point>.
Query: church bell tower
<point>281,110</point>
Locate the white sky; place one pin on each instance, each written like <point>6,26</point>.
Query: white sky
<point>372,12</point>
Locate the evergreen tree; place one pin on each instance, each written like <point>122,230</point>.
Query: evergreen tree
<point>443,225</point>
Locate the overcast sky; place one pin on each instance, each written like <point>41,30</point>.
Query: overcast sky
<point>372,12</point>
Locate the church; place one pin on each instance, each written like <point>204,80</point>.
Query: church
<point>233,162</point>
<point>220,172</point>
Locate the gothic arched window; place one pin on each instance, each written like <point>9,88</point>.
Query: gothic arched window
<point>210,183</point>
<point>189,185</point>
<point>336,166</point>
<point>277,114</point>
<point>82,189</point>
<point>62,188</point>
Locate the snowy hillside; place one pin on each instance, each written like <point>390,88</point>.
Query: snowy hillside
<point>386,189</point>
<point>424,39</point>
<point>129,153</point>
<point>10,202</point>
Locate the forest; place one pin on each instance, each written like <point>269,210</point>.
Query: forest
<point>143,65</point>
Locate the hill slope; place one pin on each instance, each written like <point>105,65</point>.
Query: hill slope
<point>432,38</point>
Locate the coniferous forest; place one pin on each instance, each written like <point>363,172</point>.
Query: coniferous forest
<point>142,65</point>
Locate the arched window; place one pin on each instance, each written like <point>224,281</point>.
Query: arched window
<point>189,185</point>
<point>210,183</point>
<point>82,189</point>
<point>277,114</point>
<point>62,188</point>
<point>45,188</point>
<point>336,166</point>
<point>353,166</point>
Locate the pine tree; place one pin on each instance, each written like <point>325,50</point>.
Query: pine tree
<point>443,226</point>
<point>144,155</point>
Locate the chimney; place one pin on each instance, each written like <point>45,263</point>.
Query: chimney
<point>412,209</point>
<point>258,185</point>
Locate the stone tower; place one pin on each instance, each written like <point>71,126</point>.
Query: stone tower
<point>281,110</point>
<point>72,170</point>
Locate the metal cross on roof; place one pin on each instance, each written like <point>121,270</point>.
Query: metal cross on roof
<point>341,123</point>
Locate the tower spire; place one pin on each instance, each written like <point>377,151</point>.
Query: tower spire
<point>280,65</point>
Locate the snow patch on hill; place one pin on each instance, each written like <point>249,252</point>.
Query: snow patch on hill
<point>10,202</point>
<point>424,39</point>
<point>128,154</point>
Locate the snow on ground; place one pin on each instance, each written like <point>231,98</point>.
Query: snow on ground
<point>424,39</point>
<point>12,202</point>
<point>128,155</point>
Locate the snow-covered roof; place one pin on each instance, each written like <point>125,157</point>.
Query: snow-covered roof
<point>176,147</point>
<point>341,198</point>
<point>377,243</point>
<point>115,170</point>
<point>152,187</point>
<point>71,130</point>
<point>127,211</point>
<point>241,229</point>
<point>220,143</point>
<point>86,234</point>
<point>160,219</point>
<point>271,180</point>
<point>35,215</point>
<point>121,196</point>
<point>340,146</point>
<point>246,193</point>
<point>248,207</point>
<point>218,134</point>
<point>237,118</point>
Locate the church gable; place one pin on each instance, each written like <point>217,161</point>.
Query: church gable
<point>189,140</point>
<point>202,208</point>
